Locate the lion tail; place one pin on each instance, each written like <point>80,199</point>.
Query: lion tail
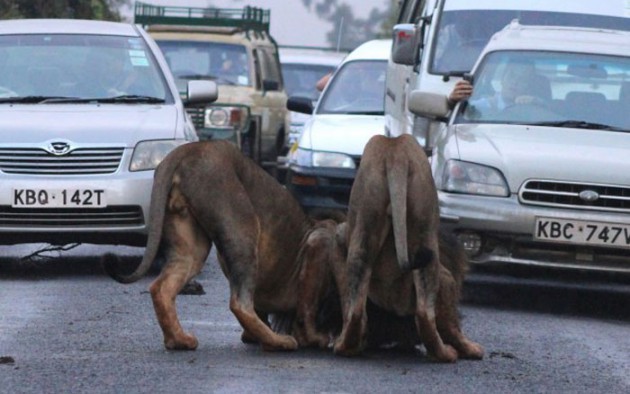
<point>159,194</point>
<point>397,180</point>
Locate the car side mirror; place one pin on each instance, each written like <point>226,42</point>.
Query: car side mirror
<point>201,92</point>
<point>428,105</point>
<point>270,85</point>
<point>303,105</point>
<point>406,44</point>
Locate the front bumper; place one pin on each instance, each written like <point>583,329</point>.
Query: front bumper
<point>320,188</point>
<point>506,229</point>
<point>123,221</point>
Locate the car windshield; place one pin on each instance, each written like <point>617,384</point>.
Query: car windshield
<point>551,88</point>
<point>227,64</point>
<point>463,33</point>
<point>300,79</point>
<point>53,68</point>
<point>358,87</point>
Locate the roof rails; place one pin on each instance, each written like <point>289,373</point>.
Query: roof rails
<point>248,18</point>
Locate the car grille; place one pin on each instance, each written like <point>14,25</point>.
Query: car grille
<point>59,218</point>
<point>567,195</point>
<point>81,161</point>
<point>196,115</point>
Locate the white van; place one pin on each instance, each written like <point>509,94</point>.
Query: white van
<point>437,41</point>
<point>533,168</point>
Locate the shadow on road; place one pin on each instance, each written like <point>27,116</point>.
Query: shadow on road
<point>54,267</point>
<point>549,291</point>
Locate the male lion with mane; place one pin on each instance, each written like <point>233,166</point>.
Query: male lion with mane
<point>207,193</point>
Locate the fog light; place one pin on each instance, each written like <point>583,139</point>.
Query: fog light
<point>471,242</point>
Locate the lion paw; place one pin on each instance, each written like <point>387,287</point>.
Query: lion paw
<point>181,342</point>
<point>281,343</point>
<point>472,351</point>
<point>342,349</point>
<point>446,354</point>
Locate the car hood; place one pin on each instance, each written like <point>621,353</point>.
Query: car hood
<point>526,152</point>
<point>341,133</point>
<point>87,123</point>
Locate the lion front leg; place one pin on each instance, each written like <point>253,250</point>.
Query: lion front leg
<point>320,252</point>
<point>256,329</point>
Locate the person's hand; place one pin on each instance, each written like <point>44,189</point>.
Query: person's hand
<point>461,91</point>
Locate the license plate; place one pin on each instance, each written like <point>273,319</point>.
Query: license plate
<point>59,198</point>
<point>582,232</point>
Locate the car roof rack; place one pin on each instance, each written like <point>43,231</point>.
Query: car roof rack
<point>247,18</point>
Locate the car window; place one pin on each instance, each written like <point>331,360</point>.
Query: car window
<point>78,66</point>
<point>358,87</point>
<point>227,64</point>
<point>530,87</point>
<point>300,79</point>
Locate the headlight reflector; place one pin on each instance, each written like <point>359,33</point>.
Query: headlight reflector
<point>226,117</point>
<point>148,154</point>
<point>470,178</point>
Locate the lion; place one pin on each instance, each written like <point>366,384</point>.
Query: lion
<point>319,316</point>
<point>393,245</point>
<point>208,193</point>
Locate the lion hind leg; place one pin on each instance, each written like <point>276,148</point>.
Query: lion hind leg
<point>351,341</point>
<point>187,251</point>
<point>448,319</point>
<point>426,283</point>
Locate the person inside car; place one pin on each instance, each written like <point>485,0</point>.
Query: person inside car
<point>520,84</point>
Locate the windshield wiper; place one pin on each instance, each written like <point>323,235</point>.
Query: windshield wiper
<point>363,113</point>
<point>29,99</point>
<point>578,124</point>
<point>128,98</point>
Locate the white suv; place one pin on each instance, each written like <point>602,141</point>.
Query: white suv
<point>87,111</point>
<point>544,179</point>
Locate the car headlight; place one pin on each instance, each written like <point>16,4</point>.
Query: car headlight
<point>470,178</point>
<point>148,154</point>
<point>309,158</point>
<point>225,117</point>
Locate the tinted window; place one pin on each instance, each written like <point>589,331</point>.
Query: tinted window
<point>358,87</point>
<point>227,64</point>
<point>529,87</point>
<point>78,66</point>
<point>463,34</point>
<point>300,79</point>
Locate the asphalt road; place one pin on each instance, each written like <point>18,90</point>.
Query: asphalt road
<point>67,328</point>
